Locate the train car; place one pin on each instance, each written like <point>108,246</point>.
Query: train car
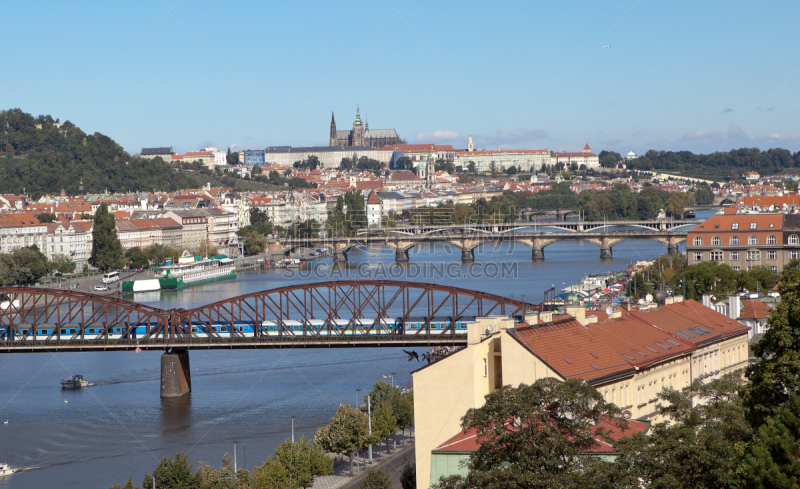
<point>436,325</point>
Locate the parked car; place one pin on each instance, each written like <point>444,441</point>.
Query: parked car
<point>101,287</point>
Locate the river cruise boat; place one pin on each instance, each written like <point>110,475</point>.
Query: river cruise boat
<point>190,270</point>
<point>74,382</point>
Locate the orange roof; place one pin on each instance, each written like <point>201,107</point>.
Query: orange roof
<point>469,442</point>
<point>505,151</point>
<point>723,225</point>
<point>373,199</point>
<point>754,309</point>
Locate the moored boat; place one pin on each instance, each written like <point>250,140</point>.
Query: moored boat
<point>74,382</point>
<point>190,270</point>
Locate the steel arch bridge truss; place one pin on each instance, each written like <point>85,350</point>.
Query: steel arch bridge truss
<point>70,315</point>
<point>349,303</point>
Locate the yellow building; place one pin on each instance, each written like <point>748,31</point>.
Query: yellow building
<point>628,358</point>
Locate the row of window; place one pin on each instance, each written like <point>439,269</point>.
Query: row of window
<point>751,255</point>
<point>751,240</point>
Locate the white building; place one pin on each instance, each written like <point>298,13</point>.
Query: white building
<point>585,157</point>
<point>373,210</point>
<point>526,160</point>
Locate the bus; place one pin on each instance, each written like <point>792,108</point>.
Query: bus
<point>111,277</point>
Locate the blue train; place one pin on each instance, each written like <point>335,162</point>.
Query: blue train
<point>313,327</point>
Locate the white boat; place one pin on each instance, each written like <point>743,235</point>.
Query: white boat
<point>74,382</point>
<point>5,470</point>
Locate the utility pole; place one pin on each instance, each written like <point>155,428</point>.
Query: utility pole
<point>293,418</point>
<point>369,421</point>
<point>235,467</point>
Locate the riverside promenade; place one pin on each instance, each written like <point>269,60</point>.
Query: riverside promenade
<point>393,463</point>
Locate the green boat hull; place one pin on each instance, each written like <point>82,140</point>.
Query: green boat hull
<point>175,283</point>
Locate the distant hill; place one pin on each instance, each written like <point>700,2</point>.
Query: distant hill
<point>39,156</point>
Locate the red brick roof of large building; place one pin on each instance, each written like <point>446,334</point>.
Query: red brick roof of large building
<point>766,201</point>
<point>468,442</point>
<point>723,225</point>
<point>404,176</point>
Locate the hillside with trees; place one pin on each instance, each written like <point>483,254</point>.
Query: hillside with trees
<point>42,156</point>
<point>719,165</point>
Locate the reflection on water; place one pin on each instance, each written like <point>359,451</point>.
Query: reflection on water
<point>176,413</point>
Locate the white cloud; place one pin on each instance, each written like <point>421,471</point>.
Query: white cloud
<point>438,136</point>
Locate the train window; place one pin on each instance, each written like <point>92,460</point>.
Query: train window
<point>194,329</point>
<point>63,331</point>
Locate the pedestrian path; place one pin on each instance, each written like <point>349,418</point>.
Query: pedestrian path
<point>341,472</point>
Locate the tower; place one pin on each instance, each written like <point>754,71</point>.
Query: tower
<point>469,144</point>
<point>358,130</point>
<point>333,131</point>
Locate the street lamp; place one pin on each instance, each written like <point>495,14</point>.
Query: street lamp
<point>393,374</point>
<point>235,468</point>
<point>293,418</point>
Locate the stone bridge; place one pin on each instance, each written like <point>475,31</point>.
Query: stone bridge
<point>402,242</point>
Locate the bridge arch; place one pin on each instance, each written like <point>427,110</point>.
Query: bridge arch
<point>358,306</point>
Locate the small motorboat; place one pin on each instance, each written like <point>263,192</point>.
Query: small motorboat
<point>74,382</point>
<point>5,470</point>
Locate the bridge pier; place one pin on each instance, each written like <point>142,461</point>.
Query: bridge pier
<point>176,379</point>
<point>605,252</point>
<point>339,257</point>
<point>672,249</point>
<point>401,255</point>
<point>537,254</point>
<point>467,256</point>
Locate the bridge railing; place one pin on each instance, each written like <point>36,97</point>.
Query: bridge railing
<point>216,342</point>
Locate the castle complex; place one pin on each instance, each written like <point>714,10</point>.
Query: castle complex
<point>362,135</point>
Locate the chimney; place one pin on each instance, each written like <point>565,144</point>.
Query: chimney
<point>735,307</point>
<point>546,316</point>
<point>578,312</point>
<point>63,193</point>
<point>707,301</point>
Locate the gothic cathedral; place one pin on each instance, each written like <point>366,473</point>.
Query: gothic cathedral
<point>362,136</point>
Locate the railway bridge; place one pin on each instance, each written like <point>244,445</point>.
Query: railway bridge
<point>334,314</point>
<point>467,240</point>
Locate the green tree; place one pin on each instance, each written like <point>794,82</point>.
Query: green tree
<point>303,461</point>
<point>62,263</point>
<point>697,447</point>
<point>127,485</point>
<point>776,374</point>
<point>758,278</point>
<point>346,433</point>
<point>135,258</point>
<point>107,251</point>
<point>255,243</point>
<point>790,185</point>
<point>173,473</point>
<point>533,435</point>
<point>11,274</point>
<point>271,474</point>
<point>384,422</point>
<point>46,217</point>
<point>256,170</point>
<point>408,476</point>
<point>32,260</point>
<point>158,254</point>
<point>710,277</point>
<point>377,478</point>
<point>471,166</point>
<point>772,458</point>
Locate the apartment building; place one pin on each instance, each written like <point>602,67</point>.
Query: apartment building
<point>195,226</point>
<point>743,241</point>
<point>629,358</point>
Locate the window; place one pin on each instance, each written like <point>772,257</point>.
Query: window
<point>771,239</point>
<point>772,255</point>
<point>793,239</point>
<point>753,225</point>
<point>794,254</point>
<point>485,368</point>
<point>698,257</point>
<point>698,241</point>
<point>734,255</point>
<point>734,240</point>
<point>754,255</point>
<point>736,269</point>
<point>715,241</point>
<point>735,225</point>
<point>774,269</point>
<point>752,240</point>
<point>716,255</point>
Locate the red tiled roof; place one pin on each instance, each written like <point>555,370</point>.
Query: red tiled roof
<point>468,442</point>
<point>373,199</point>
<point>754,309</point>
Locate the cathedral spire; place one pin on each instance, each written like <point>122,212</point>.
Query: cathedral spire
<point>358,116</point>
<point>366,123</point>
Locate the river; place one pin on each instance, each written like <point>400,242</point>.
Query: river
<point>119,427</point>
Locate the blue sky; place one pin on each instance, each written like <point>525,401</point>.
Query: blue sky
<point>700,76</point>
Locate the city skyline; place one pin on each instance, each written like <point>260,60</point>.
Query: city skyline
<point>521,76</point>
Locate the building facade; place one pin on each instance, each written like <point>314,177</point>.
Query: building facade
<point>743,241</point>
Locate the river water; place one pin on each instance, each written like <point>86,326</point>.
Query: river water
<point>120,427</point>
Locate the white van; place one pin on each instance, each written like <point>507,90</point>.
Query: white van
<point>111,277</point>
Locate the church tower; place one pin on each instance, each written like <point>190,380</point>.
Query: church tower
<point>358,130</point>
<point>333,131</point>
<point>469,144</point>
